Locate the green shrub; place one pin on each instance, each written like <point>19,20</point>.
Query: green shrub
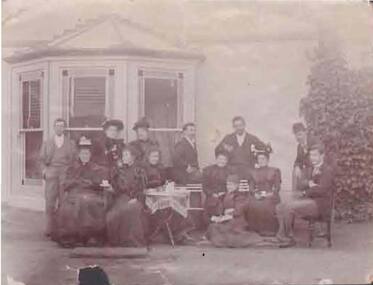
<point>339,109</point>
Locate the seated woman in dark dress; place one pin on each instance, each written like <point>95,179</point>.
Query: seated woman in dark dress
<point>81,215</point>
<point>156,176</point>
<point>265,184</point>
<point>155,172</point>
<point>229,229</point>
<point>126,219</point>
<point>214,184</point>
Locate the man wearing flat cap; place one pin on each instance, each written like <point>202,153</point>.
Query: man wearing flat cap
<point>302,160</point>
<point>109,150</point>
<point>143,143</point>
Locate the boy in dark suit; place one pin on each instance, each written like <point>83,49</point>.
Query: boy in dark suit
<point>315,194</point>
<point>240,145</point>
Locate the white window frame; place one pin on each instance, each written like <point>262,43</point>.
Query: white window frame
<point>73,73</point>
<point>144,74</point>
<point>24,77</point>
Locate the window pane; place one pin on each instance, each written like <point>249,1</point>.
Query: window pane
<point>31,104</point>
<point>87,105</point>
<point>33,141</point>
<point>166,142</point>
<point>160,100</point>
<point>161,109</point>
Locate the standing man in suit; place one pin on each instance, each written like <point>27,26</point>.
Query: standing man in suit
<point>314,200</point>
<point>185,157</point>
<point>302,160</point>
<point>241,146</point>
<point>57,153</point>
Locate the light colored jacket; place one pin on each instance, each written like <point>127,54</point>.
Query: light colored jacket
<point>46,155</point>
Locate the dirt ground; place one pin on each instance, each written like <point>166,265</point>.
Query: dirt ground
<point>28,257</point>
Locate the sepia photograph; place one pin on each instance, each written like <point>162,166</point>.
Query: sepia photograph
<point>191,142</point>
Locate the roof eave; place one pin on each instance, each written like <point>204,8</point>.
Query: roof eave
<point>53,52</point>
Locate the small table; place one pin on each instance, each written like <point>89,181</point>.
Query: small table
<point>159,199</point>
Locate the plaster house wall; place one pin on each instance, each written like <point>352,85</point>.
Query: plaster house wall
<point>262,81</point>
<point>257,59</point>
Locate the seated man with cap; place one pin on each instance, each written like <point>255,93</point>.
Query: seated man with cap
<point>81,215</point>
<point>143,143</point>
<point>109,150</point>
<point>228,229</point>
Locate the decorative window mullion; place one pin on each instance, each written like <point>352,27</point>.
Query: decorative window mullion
<point>141,93</point>
<point>65,95</point>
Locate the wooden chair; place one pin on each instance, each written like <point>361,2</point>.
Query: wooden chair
<point>195,206</point>
<point>244,186</point>
<point>328,220</point>
<point>196,197</point>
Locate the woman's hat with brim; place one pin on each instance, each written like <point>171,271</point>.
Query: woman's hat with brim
<point>142,123</point>
<point>113,122</point>
<point>84,142</point>
<point>266,151</point>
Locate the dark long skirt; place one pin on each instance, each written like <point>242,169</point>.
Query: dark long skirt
<point>261,215</point>
<point>81,216</point>
<point>126,223</point>
<point>227,234</point>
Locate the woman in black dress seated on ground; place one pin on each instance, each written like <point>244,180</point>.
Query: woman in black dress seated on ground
<point>229,228</point>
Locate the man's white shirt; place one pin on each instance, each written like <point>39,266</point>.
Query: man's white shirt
<point>58,140</point>
<point>192,142</point>
<point>240,138</point>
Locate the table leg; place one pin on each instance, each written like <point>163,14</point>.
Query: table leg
<point>170,235</point>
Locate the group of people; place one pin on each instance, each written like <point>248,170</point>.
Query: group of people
<point>95,190</point>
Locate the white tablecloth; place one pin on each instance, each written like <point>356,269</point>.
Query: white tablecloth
<point>178,200</point>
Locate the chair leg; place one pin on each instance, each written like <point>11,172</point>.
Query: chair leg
<point>293,223</point>
<point>329,233</point>
<point>170,235</point>
<point>311,232</point>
